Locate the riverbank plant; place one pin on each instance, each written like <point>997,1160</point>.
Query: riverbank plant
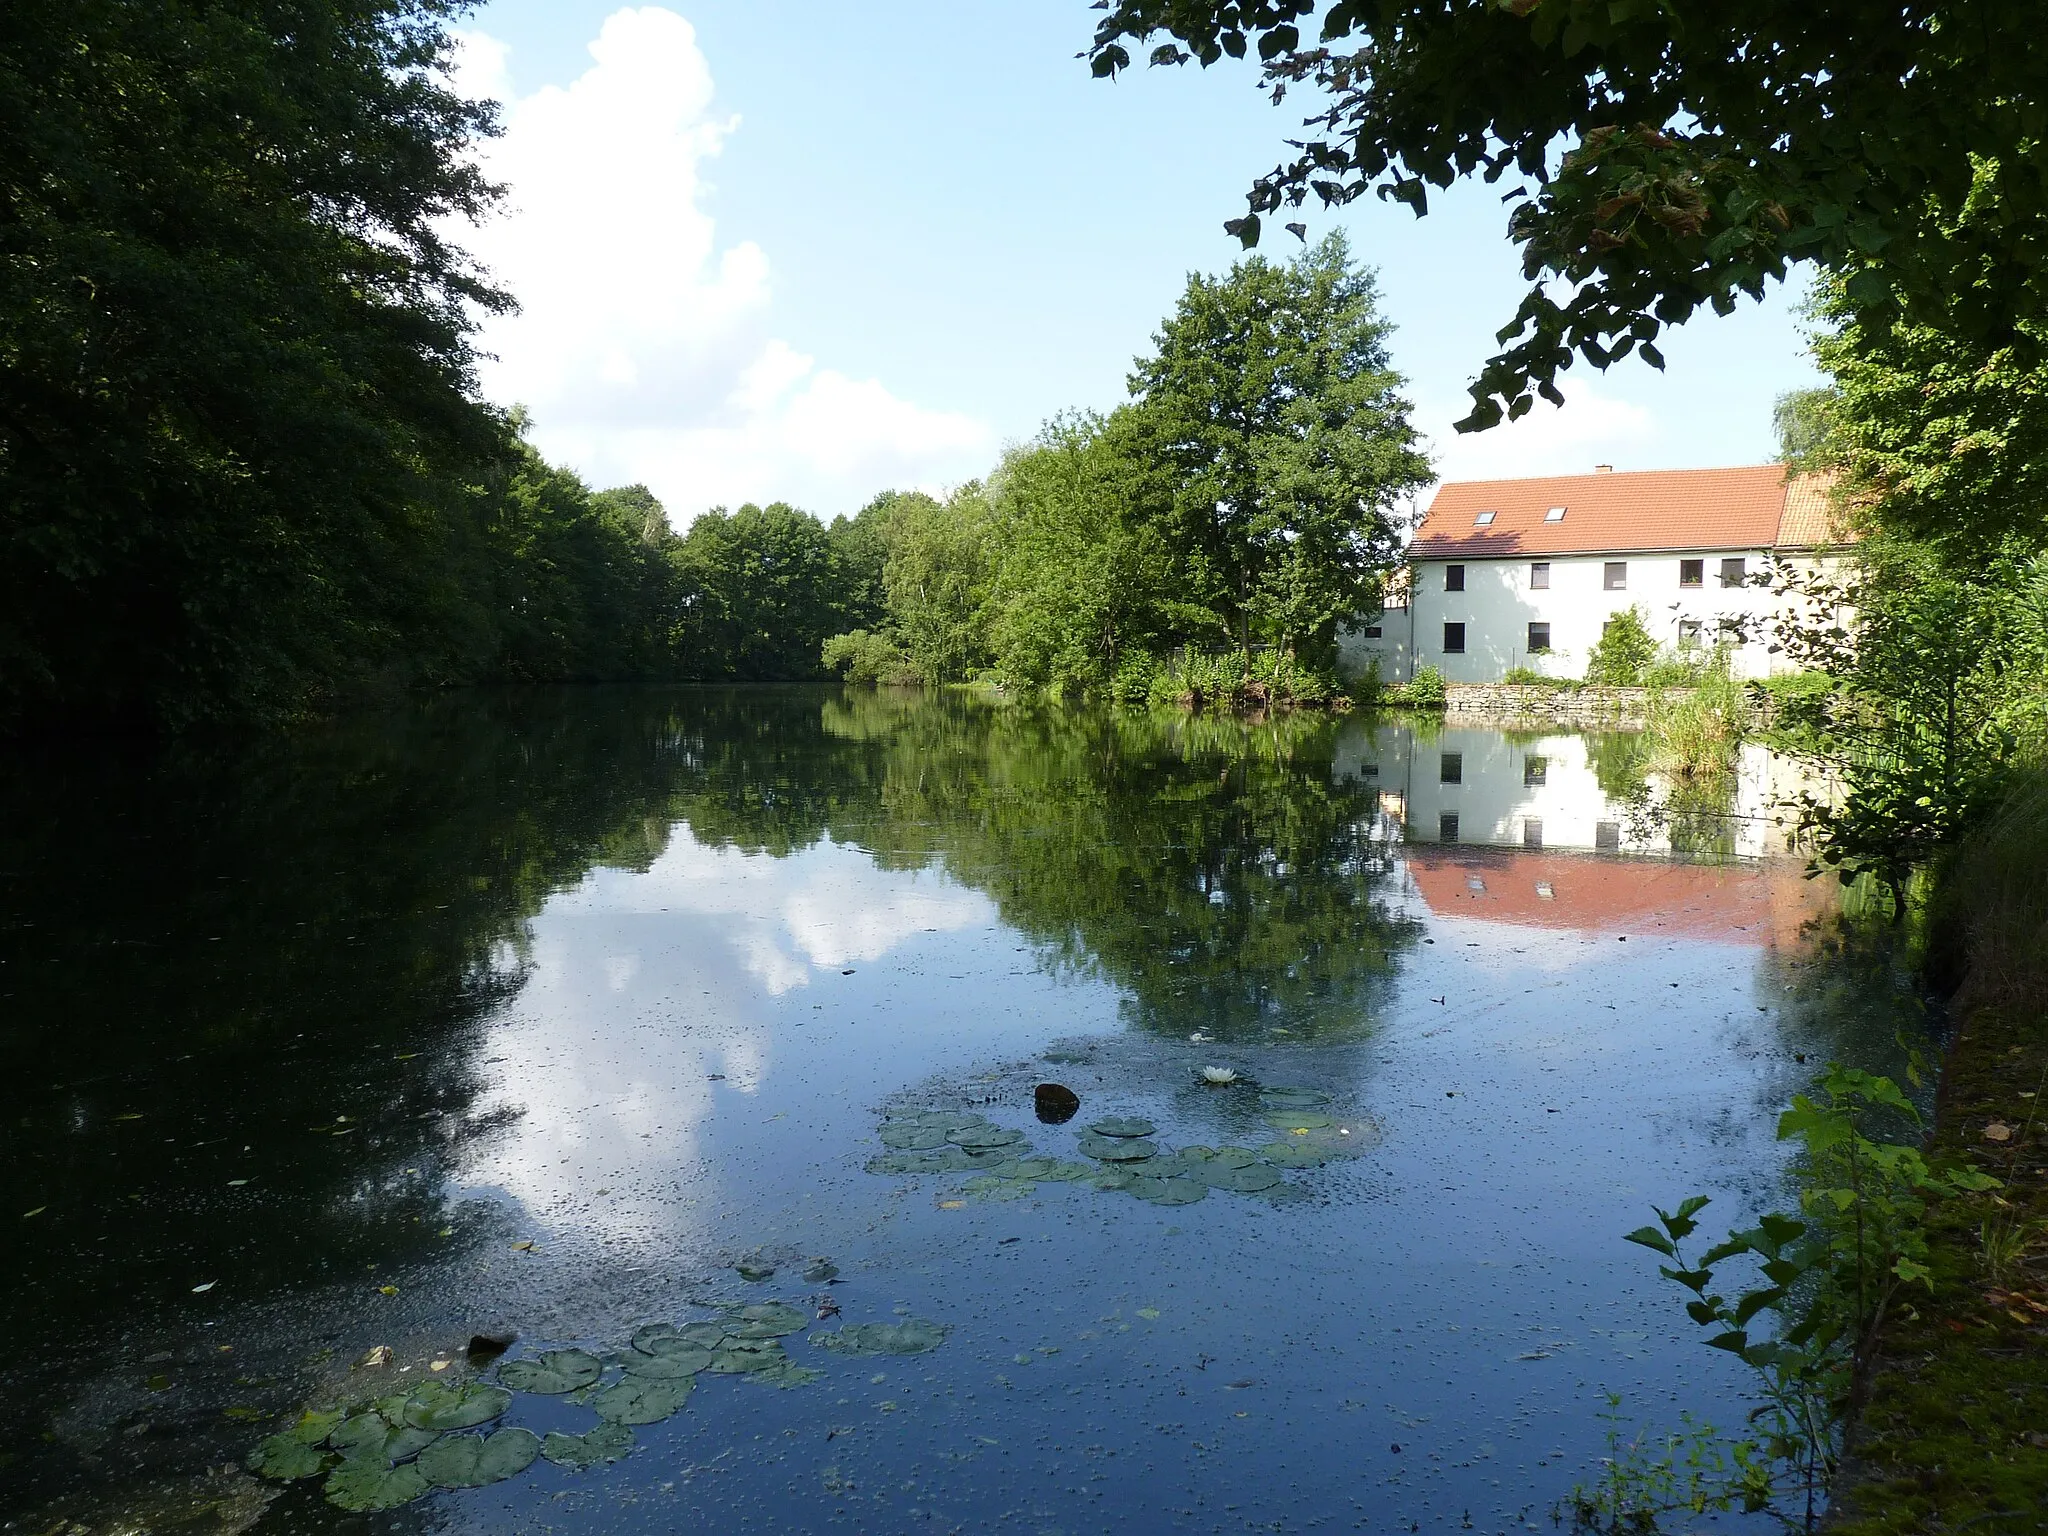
<point>1426,691</point>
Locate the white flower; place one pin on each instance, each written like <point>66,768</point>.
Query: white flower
<point>1218,1075</point>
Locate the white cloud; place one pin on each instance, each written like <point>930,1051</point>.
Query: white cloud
<point>1589,428</point>
<point>643,348</point>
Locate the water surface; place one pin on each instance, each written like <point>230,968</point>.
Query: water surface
<point>541,1014</point>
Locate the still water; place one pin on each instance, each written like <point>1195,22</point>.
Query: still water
<point>543,1015</point>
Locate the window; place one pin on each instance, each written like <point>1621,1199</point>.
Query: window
<point>1692,573</point>
<point>1368,770</point>
<point>1532,831</point>
<point>1539,638</point>
<point>1371,631</point>
<point>1554,515</point>
<point>1607,834</point>
<point>1617,576</point>
<point>1451,768</point>
<point>1454,639</point>
<point>1447,827</point>
<point>1539,576</point>
<point>1484,519</point>
<point>1733,572</point>
<point>1688,632</point>
<point>1454,578</point>
<point>1535,770</point>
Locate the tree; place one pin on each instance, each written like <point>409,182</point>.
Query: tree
<point>1664,155</point>
<point>759,595</point>
<point>237,434</point>
<point>936,579</point>
<point>1624,651</point>
<point>1271,401</point>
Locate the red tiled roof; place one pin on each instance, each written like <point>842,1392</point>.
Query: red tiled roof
<point>1811,517</point>
<point>1647,510</point>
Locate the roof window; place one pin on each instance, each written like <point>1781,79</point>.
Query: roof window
<point>1484,519</point>
<point>1554,515</point>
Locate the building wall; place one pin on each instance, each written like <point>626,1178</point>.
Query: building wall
<point>1392,649</point>
<point>1498,604</point>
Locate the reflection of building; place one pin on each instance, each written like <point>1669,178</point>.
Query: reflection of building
<point>1525,573</point>
<point>1578,790</point>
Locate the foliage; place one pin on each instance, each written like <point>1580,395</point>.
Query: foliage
<point>1624,652</point>
<point>937,577</point>
<point>1940,678</point>
<point>862,656</point>
<point>1661,156</point>
<point>760,593</point>
<point>1995,901</point>
<point>1830,1276</point>
<point>1644,1478</point>
<point>238,448</point>
<point>1529,677</point>
<point>1270,399</point>
<point>1425,690</point>
<point>1697,725</point>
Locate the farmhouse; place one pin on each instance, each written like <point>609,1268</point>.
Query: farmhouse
<point>1525,573</point>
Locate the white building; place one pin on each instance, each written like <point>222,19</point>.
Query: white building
<point>1526,573</point>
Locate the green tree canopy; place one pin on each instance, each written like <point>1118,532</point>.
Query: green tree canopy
<point>1664,154</point>
<point>1271,399</point>
<point>760,594</point>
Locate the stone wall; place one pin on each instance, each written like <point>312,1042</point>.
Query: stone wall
<point>1487,703</point>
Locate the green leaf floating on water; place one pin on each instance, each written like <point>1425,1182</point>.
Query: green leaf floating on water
<point>637,1400</point>
<point>1050,1169</point>
<point>316,1424</point>
<point>371,1436</point>
<point>1174,1191</point>
<point>785,1373</point>
<point>996,1186</point>
<point>820,1272</point>
<point>285,1457</point>
<point>668,1338</point>
<point>911,1136</point>
<point>767,1320</point>
<point>579,1453</point>
<point>452,1405</point>
<point>753,1272</point>
<point>912,1336</point>
<point>364,1485</point>
<point>1123,1125</point>
<point>1299,1120</point>
<point>1114,1149</point>
<point>558,1370</point>
<point>737,1356</point>
<point>1292,1098</point>
<point>982,1137</point>
<point>670,1365</point>
<point>476,1461</point>
<point>1247,1180</point>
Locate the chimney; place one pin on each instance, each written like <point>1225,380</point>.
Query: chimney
<point>1603,469</point>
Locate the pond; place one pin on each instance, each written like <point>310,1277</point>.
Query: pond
<point>562,1015</point>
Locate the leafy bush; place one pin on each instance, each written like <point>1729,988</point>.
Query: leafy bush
<point>862,656</point>
<point>1132,681</point>
<point>1426,690</point>
<point>1529,677</point>
<point>1696,730</point>
<point>1624,653</point>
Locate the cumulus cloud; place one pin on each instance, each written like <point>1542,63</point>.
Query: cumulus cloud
<point>1589,428</point>
<point>644,348</point>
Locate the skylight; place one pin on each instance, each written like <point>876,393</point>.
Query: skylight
<point>1483,519</point>
<point>1554,515</point>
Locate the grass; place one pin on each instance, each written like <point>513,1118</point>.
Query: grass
<point>1695,732</point>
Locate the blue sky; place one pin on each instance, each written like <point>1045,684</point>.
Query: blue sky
<point>808,251</point>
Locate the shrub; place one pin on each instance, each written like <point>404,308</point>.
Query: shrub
<point>1426,690</point>
<point>1135,674</point>
<point>862,656</point>
<point>1625,652</point>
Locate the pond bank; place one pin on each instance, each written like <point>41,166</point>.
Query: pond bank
<point>1508,705</point>
<point>1954,1432</point>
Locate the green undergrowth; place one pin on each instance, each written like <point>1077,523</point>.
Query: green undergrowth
<point>1953,1432</point>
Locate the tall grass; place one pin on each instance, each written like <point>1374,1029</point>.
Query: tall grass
<point>1695,730</point>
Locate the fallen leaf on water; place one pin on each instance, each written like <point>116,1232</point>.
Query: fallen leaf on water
<point>1998,1130</point>
<point>381,1355</point>
<point>36,1212</point>
<point>438,1365</point>
<point>524,1245</point>
<point>952,1205</point>
<point>447,1231</point>
<point>200,1290</point>
<point>1150,1314</point>
<point>387,1290</point>
<point>236,1183</point>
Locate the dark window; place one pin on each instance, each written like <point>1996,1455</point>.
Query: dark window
<point>1369,770</point>
<point>1371,631</point>
<point>1617,575</point>
<point>1454,639</point>
<point>1454,578</point>
<point>1451,770</point>
<point>1532,831</point>
<point>1447,827</point>
<point>1733,572</point>
<point>1692,573</point>
<point>1539,637</point>
<point>1535,770</point>
<point>1606,834</point>
<point>1539,576</point>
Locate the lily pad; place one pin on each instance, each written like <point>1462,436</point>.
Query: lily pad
<point>767,1320</point>
<point>996,1186</point>
<point>912,1136</point>
<point>820,1272</point>
<point>637,1400</point>
<point>1123,1125</point>
<point>579,1453</point>
<point>981,1137</point>
<point>558,1370</point>
<point>441,1405</point>
<point>737,1357</point>
<point>370,1436</point>
<point>1248,1180</point>
<point>1113,1178</point>
<point>363,1485</point>
<point>286,1457</point>
<point>1292,1098</point>
<point>948,1159</point>
<point>754,1272</point>
<point>670,1365</point>
<point>1299,1120</point>
<point>1174,1191</point>
<point>1297,1152</point>
<point>316,1424</point>
<point>476,1461</point>
<point>912,1336</point>
<point>669,1338</point>
<point>785,1373</point>
<point>1111,1149</point>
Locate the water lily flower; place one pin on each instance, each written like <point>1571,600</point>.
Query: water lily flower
<point>1218,1075</point>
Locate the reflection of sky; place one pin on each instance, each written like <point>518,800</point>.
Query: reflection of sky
<point>651,996</point>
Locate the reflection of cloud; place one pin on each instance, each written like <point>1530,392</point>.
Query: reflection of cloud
<point>643,986</point>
